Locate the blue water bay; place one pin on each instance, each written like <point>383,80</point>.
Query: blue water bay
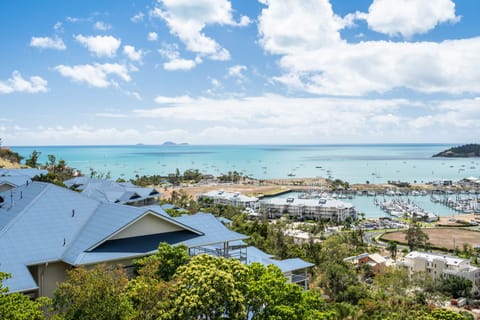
<point>353,163</point>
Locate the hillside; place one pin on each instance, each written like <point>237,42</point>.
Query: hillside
<point>9,159</point>
<point>465,151</point>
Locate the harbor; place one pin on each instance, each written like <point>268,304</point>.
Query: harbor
<point>428,205</point>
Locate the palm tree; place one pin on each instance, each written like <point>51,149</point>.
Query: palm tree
<point>392,247</point>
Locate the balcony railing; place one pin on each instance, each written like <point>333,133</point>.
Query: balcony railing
<point>239,253</point>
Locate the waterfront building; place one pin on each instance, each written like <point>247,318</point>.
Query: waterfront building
<point>437,265</point>
<point>235,199</point>
<point>46,230</point>
<point>323,208</point>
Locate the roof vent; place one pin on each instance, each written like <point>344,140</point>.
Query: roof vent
<point>73,213</point>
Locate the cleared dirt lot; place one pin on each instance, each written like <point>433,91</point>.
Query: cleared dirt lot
<point>253,189</point>
<point>442,237</point>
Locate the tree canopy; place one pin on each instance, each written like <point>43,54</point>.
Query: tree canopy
<point>17,306</point>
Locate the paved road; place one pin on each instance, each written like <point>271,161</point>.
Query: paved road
<point>369,237</point>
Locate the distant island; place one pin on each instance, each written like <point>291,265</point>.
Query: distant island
<point>465,151</point>
<point>171,143</point>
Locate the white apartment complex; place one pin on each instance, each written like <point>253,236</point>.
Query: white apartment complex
<point>235,199</point>
<point>437,265</point>
<point>323,208</point>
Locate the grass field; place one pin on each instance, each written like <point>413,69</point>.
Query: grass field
<point>442,237</point>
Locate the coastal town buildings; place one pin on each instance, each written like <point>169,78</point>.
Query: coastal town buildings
<point>46,230</point>
<point>235,199</point>
<point>437,265</point>
<point>374,260</point>
<point>323,208</point>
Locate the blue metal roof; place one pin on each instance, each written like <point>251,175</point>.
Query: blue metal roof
<point>214,231</point>
<point>111,191</point>
<point>39,226</point>
<point>256,255</point>
<point>14,181</point>
<point>157,209</point>
<point>29,172</point>
<point>41,222</point>
<point>224,220</point>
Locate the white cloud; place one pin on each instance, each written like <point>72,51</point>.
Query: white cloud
<point>215,83</point>
<point>132,54</point>
<point>179,64</point>
<point>173,100</point>
<point>152,36</point>
<point>134,94</point>
<point>17,83</point>
<point>378,66</point>
<point>175,62</point>
<point>408,17</point>
<point>111,115</point>
<point>244,21</point>
<point>271,119</point>
<point>236,71</point>
<point>48,43</point>
<point>137,18</point>
<point>58,26</point>
<point>288,26</point>
<point>315,59</point>
<point>268,110</point>
<point>96,75</point>
<point>102,26</point>
<point>73,19</point>
<point>101,46</point>
<point>187,20</point>
<point>277,119</point>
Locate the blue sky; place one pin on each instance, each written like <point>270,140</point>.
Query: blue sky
<point>239,71</point>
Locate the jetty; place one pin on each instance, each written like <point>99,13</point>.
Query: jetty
<point>405,208</point>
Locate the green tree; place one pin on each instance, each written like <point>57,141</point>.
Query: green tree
<point>98,293</point>
<point>393,249</point>
<point>94,174</point>
<point>415,236</point>
<point>52,161</point>
<point>151,297</point>
<point>269,296</point>
<point>444,314</point>
<point>32,161</point>
<point>183,200</point>
<point>454,286</point>
<point>17,306</point>
<point>341,283</point>
<point>164,263</point>
<point>210,288</point>
<point>392,281</point>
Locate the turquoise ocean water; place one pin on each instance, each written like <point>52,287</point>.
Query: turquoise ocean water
<point>353,163</point>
